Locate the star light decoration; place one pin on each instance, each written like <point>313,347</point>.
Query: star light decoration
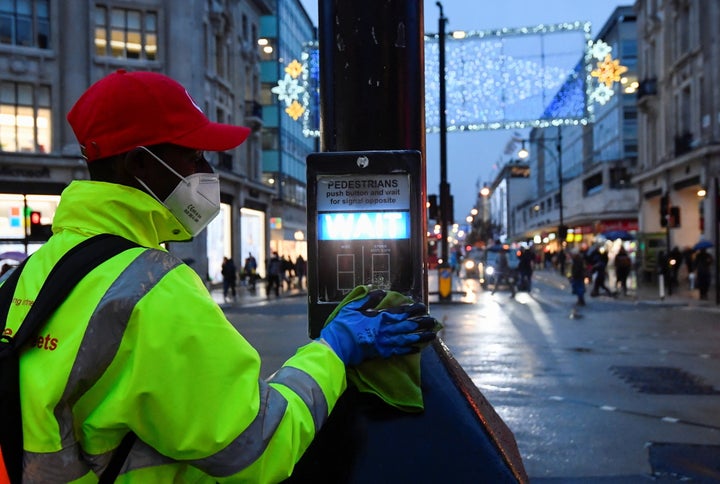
<point>488,88</point>
<point>607,72</point>
<point>290,90</point>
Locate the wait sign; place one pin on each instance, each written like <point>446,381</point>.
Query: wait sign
<point>364,225</point>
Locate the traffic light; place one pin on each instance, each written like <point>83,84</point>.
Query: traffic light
<point>449,211</point>
<point>664,209</point>
<point>433,212</point>
<point>35,223</point>
<point>674,217</point>
<point>38,231</point>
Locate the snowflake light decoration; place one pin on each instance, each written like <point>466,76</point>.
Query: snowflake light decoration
<point>607,72</point>
<point>601,94</point>
<point>288,90</point>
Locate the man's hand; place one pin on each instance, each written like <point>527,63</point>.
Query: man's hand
<point>359,331</point>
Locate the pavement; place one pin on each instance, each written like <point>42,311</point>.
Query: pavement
<point>246,296</point>
<point>463,292</point>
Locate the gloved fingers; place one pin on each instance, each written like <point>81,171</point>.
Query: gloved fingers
<point>405,326</point>
<point>402,344</point>
<point>401,313</point>
<point>386,341</point>
<point>427,336</point>
<point>368,302</point>
<point>425,322</point>
<point>405,338</point>
<point>413,309</point>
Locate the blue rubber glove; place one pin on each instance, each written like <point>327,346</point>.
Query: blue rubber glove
<point>359,332</point>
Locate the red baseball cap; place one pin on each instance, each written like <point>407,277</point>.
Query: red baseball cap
<point>125,110</point>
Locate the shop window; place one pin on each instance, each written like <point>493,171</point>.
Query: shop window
<point>25,23</point>
<point>620,178</point>
<point>125,33</point>
<point>593,184</point>
<point>25,118</point>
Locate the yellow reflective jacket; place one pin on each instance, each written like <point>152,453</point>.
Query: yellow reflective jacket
<point>140,345</point>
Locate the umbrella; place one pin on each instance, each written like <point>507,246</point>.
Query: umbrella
<point>703,244</point>
<point>618,234</point>
<point>13,255</point>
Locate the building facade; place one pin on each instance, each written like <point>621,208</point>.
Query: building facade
<point>52,50</point>
<point>285,36</point>
<point>679,120</point>
<point>582,173</point>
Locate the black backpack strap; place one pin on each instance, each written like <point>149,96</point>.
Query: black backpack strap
<point>63,277</point>
<point>113,468</point>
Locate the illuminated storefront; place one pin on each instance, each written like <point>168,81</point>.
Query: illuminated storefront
<point>16,231</point>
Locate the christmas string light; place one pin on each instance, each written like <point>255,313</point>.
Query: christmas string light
<point>507,78</point>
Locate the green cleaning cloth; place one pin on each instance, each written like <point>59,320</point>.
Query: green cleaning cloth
<point>395,380</point>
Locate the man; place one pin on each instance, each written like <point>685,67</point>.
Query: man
<point>274,270</point>
<point>140,346</point>
<point>504,274</point>
<point>250,270</point>
<point>228,272</point>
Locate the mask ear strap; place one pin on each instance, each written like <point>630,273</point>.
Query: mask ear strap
<point>163,163</point>
<point>148,189</point>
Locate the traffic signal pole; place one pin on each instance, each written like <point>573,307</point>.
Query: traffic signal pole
<point>372,97</point>
<point>444,269</point>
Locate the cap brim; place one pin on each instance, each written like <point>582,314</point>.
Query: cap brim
<point>213,137</point>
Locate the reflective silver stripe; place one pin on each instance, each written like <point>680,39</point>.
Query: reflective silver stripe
<point>106,328</point>
<point>98,348</point>
<point>252,442</point>
<point>101,342</point>
<point>61,466</point>
<point>307,388</point>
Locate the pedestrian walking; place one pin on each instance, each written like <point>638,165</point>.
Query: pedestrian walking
<point>504,274</point>
<point>623,264</point>
<point>703,272</point>
<point>525,269</point>
<point>250,271</point>
<point>229,276</point>
<point>599,260</point>
<point>288,272</point>
<point>300,270</point>
<point>274,275</point>
<point>142,377</point>
<point>577,277</point>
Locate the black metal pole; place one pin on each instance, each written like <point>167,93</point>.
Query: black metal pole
<point>562,230</point>
<point>716,233</point>
<point>445,275</point>
<point>372,75</point>
<point>444,188</point>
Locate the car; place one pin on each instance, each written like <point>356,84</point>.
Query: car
<point>490,265</point>
<point>472,264</point>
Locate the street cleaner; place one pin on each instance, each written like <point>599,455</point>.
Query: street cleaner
<point>138,376</point>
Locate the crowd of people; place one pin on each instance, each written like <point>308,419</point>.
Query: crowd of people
<point>282,273</point>
<point>592,265</point>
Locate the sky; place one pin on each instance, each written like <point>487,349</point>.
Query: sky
<point>474,157</point>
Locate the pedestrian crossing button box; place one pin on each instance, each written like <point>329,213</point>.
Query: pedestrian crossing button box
<point>365,226</point>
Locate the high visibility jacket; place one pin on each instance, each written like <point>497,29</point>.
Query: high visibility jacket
<point>140,345</point>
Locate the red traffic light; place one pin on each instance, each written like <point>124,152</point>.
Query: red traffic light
<point>35,218</point>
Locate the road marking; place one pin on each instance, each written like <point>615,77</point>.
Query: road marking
<point>610,408</point>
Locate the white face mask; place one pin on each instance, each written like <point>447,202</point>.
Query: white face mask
<point>195,202</point>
